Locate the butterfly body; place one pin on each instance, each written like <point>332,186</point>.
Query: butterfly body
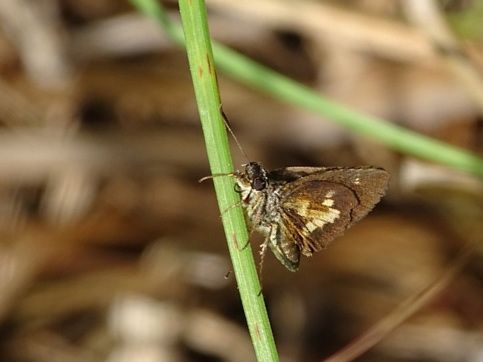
<point>300,210</point>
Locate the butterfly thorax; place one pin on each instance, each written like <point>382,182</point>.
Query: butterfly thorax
<point>261,198</point>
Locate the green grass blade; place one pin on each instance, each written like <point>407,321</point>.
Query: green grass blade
<point>398,138</point>
<point>198,45</point>
<point>260,77</point>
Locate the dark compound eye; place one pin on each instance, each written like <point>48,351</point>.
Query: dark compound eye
<point>258,184</point>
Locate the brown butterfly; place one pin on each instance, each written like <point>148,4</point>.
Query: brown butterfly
<point>300,210</point>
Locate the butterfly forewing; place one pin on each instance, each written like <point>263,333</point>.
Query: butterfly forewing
<point>323,203</point>
<point>320,210</point>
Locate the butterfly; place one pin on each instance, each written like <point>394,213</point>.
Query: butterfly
<point>300,210</point>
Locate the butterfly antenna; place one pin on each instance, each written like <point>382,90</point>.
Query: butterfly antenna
<point>214,175</point>
<point>227,124</point>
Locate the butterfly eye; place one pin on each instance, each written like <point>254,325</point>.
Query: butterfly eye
<point>258,184</point>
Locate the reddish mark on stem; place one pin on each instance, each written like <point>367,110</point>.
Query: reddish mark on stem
<point>257,331</point>
<point>200,72</point>
<point>210,66</point>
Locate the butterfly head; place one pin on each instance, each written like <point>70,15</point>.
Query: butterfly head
<point>256,175</point>
<point>253,178</point>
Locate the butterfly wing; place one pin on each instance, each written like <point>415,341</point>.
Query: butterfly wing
<point>321,203</point>
<point>284,241</point>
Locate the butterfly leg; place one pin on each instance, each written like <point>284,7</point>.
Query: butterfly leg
<point>248,240</point>
<point>264,247</point>
<point>230,208</point>
<point>263,251</point>
<point>246,244</point>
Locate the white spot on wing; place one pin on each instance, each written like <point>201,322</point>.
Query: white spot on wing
<point>317,218</point>
<point>330,194</point>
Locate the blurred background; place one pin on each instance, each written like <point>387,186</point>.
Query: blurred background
<point>110,250</point>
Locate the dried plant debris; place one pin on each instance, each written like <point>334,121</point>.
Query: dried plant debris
<point>111,251</point>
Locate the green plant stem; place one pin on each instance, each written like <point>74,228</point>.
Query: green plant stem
<point>203,73</point>
<point>396,137</point>
<point>260,77</point>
